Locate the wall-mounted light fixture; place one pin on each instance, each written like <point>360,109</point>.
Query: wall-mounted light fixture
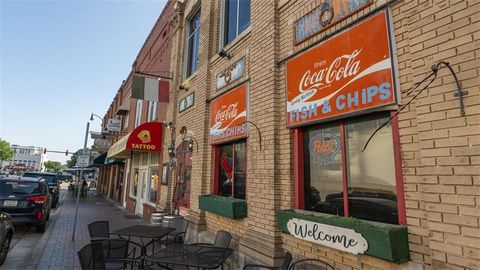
<point>223,53</point>
<point>171,147</point>
<point>182,87</point>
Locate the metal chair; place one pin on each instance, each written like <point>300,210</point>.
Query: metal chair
<point>91,257</point>
<point>99,230</point>
<point>311,264</point>
<point>285,265</point>
<point>222,239</point>
<point>176,236</point>
<point>118,253</point>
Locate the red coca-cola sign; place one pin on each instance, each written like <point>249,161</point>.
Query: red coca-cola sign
<point>351,72</point>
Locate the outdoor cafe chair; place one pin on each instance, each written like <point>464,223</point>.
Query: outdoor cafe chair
<point>222,240</point>
<point>285,265</point>
<point>91,257</point>
<point>119,253</point>
<point>311,264</point>
<point>99,230</point>
<point>178,235</point>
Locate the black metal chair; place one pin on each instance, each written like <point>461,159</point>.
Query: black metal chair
<point>311,264</point>
<point>222,239</point>
<point>99,230</point>
<point>178,235</point>
<point>91,257</point>
<point>119,253</point>
<point>285,265</point>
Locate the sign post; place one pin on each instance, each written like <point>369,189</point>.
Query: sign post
<point>81,160</point>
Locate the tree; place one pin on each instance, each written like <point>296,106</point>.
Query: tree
<point>6,153</point>
<point>53,166</point>
<point>73,159</point>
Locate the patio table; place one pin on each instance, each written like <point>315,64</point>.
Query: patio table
<point>199,256</point>
<point>144,231</point>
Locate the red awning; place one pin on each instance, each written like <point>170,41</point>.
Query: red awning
<point>147,137</point>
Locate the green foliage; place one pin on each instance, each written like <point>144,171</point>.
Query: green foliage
<point>6,153</point>
<point>53,166</point>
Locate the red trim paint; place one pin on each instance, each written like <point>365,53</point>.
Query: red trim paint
<point>344,168</point>
<point>216,156</point>
<point>402,213</point>
<point>298,170</point>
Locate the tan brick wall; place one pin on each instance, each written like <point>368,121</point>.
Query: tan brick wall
<point>440,149</point>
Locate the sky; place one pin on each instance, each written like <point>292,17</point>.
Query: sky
<point>62,60</point>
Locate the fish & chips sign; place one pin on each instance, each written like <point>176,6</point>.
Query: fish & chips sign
<point>228,114</point>
<point>348,73</point>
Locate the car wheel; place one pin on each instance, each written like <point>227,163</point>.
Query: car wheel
<point>4,248</point>
<point>41,228</point>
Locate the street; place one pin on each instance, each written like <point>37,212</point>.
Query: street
<point>54,248</point>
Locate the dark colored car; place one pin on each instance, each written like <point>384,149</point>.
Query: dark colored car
<point>65,177</point>
<point>53,184</point>
<point>6,233</point>
<point>26,200</point>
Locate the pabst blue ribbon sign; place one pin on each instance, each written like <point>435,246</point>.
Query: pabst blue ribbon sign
<point>348,73</point>
<point>228,114</point>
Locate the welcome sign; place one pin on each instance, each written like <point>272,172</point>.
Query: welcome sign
<point>350,72</point>
<point>334,237</point>
<point>228,114</point>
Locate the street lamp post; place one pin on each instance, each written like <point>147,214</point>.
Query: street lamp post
<point>78,183</point>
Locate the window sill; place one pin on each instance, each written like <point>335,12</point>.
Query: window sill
<point>385,241</point>
<point>149,204</point>
<point>223,206</point>
<point>238,41</point>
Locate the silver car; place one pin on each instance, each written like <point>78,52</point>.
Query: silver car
<point>6,234</point>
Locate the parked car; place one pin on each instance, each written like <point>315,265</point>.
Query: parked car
<point>65,177</point>
<point>6,233</point>
<point>53,184</point>
<point>27,200</point>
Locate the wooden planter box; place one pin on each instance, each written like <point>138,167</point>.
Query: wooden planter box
<point>223,206</point>
<point>385,241</point>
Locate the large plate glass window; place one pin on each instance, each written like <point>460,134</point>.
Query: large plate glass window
<point>335,165</point>
<point>232,169</point>
<point>193,43</point>
<point>236,18</point>
<point>153,185</point>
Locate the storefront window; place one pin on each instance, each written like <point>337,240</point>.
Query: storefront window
<point>232,170</point>
<point>134,186</point>
<point>369,175</point>
<point>153,185</point>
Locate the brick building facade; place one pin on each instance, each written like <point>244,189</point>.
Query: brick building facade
<point>429,162</point>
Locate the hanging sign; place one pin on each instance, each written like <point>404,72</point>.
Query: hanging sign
<point>228,114</point>
<point>114,124</point>
<point>334,237</point>
<point>348,73</point>
<point>231,74</point>
<point>328,13</point>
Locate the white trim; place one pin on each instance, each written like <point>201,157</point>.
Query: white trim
<point>138,112</point>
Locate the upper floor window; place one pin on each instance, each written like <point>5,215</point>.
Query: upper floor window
<point>193,42</point>
<point>138,113</point>
<point>236,18</point>
<point>152,111</point>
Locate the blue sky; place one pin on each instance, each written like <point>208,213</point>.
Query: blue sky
<point>63,60</point>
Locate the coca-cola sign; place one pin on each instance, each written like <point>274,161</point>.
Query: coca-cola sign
<point>228,114</point>
<point>348,73</point>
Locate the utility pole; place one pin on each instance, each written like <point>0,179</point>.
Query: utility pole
<point>78,184</point>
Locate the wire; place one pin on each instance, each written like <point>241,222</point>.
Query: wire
<point>434,73</point>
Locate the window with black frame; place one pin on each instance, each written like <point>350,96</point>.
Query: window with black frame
<point>193,43</point>
<point>235,20</point>
<point>333,156</point>
<point>232,169</point>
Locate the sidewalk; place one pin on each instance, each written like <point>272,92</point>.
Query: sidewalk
<point>55,249</point>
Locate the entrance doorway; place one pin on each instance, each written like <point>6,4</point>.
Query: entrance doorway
<point>142,174</point>
<point>183,174</point>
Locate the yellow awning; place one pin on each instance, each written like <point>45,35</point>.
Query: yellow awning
<point>119,149</point>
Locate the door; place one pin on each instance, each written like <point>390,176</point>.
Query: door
<point>183,170</point>
<point>141,191</point>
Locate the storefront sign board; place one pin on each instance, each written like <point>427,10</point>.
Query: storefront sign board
<point>228,114</point>
<point>327,14</point>
<point>349,73</point>
<point>231,74</point>
<point>334,237</point>
<point>114,124</point>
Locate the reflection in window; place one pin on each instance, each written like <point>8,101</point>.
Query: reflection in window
<point>193,43</point>
<point>370,175</point>
<point>232,170</point>
<point>236,19</point>
<point>135,183</point>
<point>153,184</point>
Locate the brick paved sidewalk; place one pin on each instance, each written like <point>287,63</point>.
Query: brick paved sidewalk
<point>56,249</point>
